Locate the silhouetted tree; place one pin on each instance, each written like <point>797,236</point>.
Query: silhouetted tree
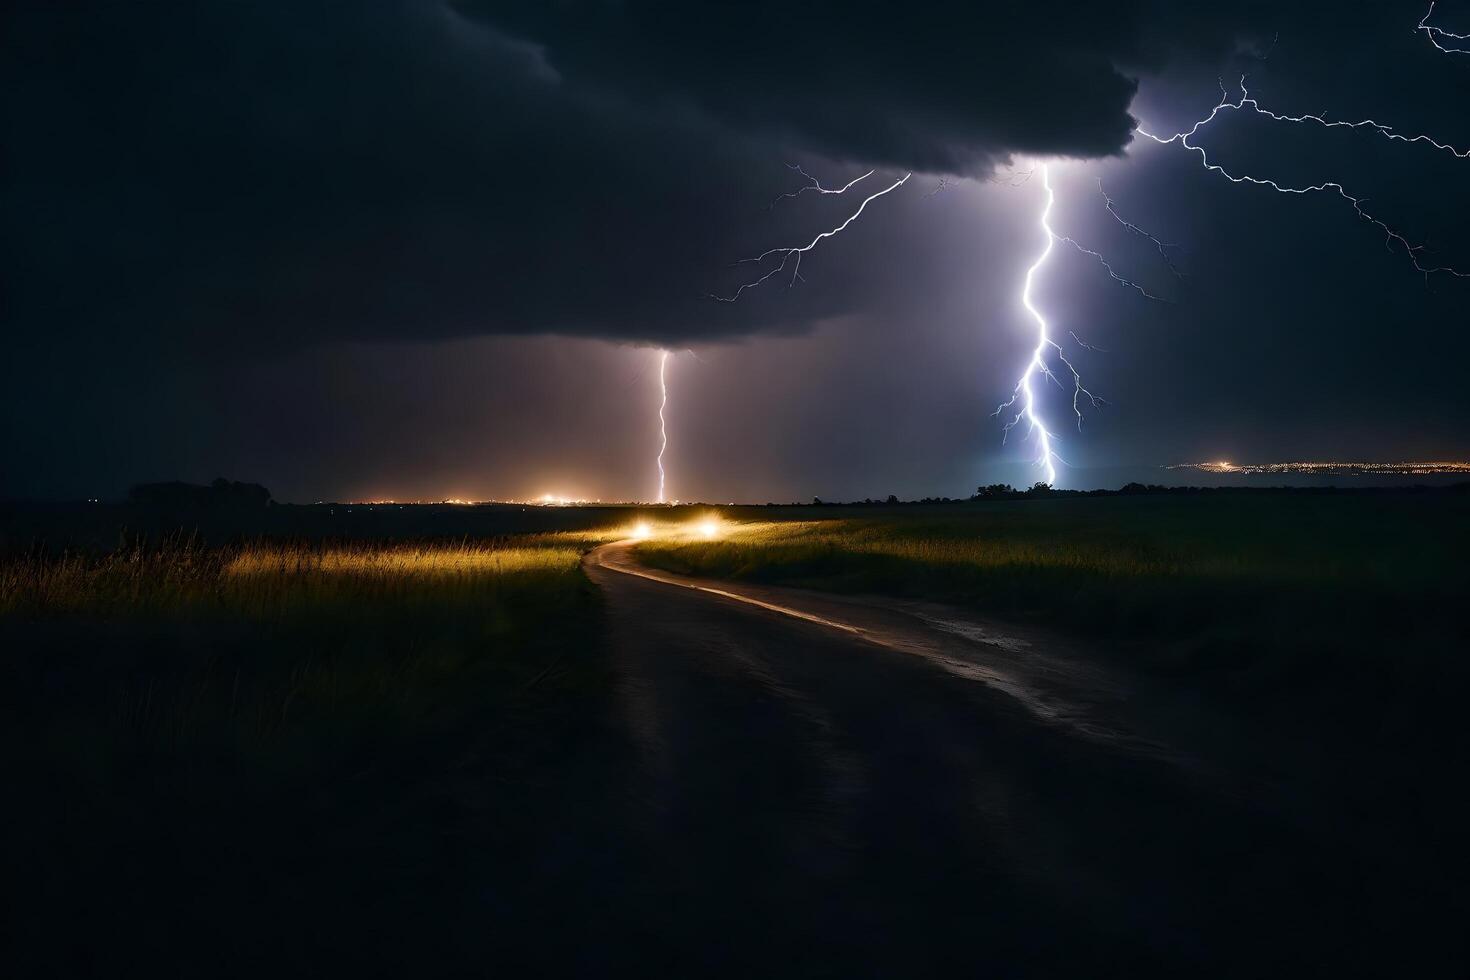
<point>995,491</point>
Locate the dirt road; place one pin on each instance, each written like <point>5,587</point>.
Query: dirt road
<point>803,785</point>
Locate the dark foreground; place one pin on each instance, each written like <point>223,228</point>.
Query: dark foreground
<point>527,775</point>
<point>785,798</point>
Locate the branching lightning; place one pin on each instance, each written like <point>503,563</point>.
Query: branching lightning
<point>1392,237</point>
<point>1108,268</point>
<point>813,184</point>
<point>1161,247</point>
<point>663,432</point>
<point>1084,344</point>
<point>1014,178</point>
<point>1024,404</point>
<point>943,183</point>
<point>792,255</point>
<point>1370,124</point>
<point>1024,399</point>
<point>1438,34</point>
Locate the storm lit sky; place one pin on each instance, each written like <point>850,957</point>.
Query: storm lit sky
<point>419,250</point>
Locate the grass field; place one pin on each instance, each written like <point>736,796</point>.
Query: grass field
<point>1248,593</point>
<point>196,736</point>
<point>334,727</point>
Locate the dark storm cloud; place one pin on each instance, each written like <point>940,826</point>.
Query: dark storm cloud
<point>944,87</point>
<point>263,176</point>
<point>226,225</point>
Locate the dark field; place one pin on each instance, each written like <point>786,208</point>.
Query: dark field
<point>230,756</point>
<point>1331,624</point>
<point>1248,593</point>
<point>338,737</point>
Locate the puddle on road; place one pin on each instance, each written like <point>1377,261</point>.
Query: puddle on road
<point>978,634</point>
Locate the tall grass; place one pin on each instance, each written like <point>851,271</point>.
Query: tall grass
<point>191,731</point>
<point>182,577</point>
<point>1249,590</point>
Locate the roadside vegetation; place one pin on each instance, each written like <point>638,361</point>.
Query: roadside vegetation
<point>203,738</point>
<point>347,733</point>
<point>1247,594</point>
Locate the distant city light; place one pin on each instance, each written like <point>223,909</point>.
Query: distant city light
<point>1329,468</point>
<point>556,500</point>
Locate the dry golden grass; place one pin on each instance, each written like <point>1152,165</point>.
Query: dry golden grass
<point>170,640</point>
<point>261,578</point>
<point>326,716</point>
<point>1248,580</point>
<point>747,548</point>
<point>1264,541</point>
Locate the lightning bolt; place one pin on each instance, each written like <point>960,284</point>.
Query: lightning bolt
<point>1108,268</point>
<point>663,432</point>
<point>792,255</point>
<point>1387,132</point>
<point>1161,247</point>
<point>813,184</point>
<point>1023,398</point>
<point>1436,33</point>
<point>1392,237</point>
<point>1084,344</point>
<point>1039,365</point>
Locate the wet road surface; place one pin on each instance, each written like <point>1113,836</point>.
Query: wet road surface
<point>798,785</point>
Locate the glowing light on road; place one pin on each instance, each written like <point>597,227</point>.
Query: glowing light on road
<point>642,531</point>
<point>663,432</point>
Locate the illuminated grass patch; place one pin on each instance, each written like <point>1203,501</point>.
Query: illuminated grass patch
<point>1253,583</point>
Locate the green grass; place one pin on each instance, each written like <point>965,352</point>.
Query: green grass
<point>191,731</point>
<point>1250,591</point>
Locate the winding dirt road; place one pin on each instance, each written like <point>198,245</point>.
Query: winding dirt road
<point>806,785</point>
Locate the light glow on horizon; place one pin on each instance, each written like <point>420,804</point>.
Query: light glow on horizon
<point>1330,468</point>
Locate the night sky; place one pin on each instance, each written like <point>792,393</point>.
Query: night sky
<point>430,249</point>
